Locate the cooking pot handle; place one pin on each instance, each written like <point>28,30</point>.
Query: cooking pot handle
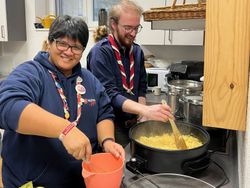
<point>197,164</point>
<point>136,165</point>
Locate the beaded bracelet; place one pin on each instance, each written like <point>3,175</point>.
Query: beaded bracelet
<point>66,130</point>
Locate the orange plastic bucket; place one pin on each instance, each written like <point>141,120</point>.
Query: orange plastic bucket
<point>103,171</point>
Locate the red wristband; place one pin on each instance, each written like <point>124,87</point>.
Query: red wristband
<point>66,130</point>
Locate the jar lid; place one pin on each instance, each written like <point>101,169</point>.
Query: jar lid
<point>185,84</point>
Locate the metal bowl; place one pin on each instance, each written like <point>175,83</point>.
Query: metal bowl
<point>169,180</point>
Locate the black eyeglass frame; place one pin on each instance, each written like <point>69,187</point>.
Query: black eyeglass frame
<point>64,46</point>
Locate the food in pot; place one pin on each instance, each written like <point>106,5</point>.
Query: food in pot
<point>167,141</point>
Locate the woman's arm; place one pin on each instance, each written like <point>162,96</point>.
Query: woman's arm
<point>36,121</point>
<point>105,129</point>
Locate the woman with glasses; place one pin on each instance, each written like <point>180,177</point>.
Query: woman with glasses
<point>55,114</point>
<point>118,63</point>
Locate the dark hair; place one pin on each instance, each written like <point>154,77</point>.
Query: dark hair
<point>72,27</point>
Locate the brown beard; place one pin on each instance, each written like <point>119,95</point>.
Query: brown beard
<point>125,40</point>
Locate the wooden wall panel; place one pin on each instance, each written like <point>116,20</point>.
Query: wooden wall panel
<point>226,64</point>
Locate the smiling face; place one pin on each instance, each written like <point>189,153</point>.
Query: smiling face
<point>64,59</point>
<point>128,19</point>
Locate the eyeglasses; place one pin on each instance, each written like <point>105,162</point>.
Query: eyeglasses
<point>63,46</point>
<point>130,29</point>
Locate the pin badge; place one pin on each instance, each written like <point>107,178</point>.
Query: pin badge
<point>79,79</point>
<point>80,89</point>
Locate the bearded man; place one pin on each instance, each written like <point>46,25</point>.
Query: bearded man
<point>118,62</point>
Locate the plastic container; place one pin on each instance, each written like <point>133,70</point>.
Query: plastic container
<point>47,21</point>
<point>102,17</point>
<point>103,170</point>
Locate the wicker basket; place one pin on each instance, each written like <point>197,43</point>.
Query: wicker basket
<point>177,12</point>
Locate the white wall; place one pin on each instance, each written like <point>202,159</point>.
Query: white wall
<point>14,53</point>
<point>176,53</point>
<point>243,139</point>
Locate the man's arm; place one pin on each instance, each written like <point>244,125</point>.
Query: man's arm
<point>155,112</point>
<point>142,100</point>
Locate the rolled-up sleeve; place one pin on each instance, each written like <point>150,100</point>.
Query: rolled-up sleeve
<point>19,89</point>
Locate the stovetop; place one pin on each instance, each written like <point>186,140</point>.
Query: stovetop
<point>222,171</point>
<point>213,175</point>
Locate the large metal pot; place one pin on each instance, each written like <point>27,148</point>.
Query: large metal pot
<point>168,161</point>
<point>192,108</point>
<point>177,88</point>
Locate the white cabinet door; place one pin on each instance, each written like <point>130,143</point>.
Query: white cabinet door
<point>147,36</point>
<point>184,37</point>
<point>12,20</point>
<point>3,21</point>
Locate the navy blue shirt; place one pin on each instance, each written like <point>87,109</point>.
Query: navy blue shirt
<point>101,61</point>
<point>43,160</point>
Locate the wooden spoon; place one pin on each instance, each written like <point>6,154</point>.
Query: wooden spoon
<point>179,141</point>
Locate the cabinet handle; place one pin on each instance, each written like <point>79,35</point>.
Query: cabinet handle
<point>170,36</point>
<point>2,31</point>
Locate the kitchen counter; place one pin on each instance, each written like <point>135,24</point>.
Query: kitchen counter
<point>223,165</point>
